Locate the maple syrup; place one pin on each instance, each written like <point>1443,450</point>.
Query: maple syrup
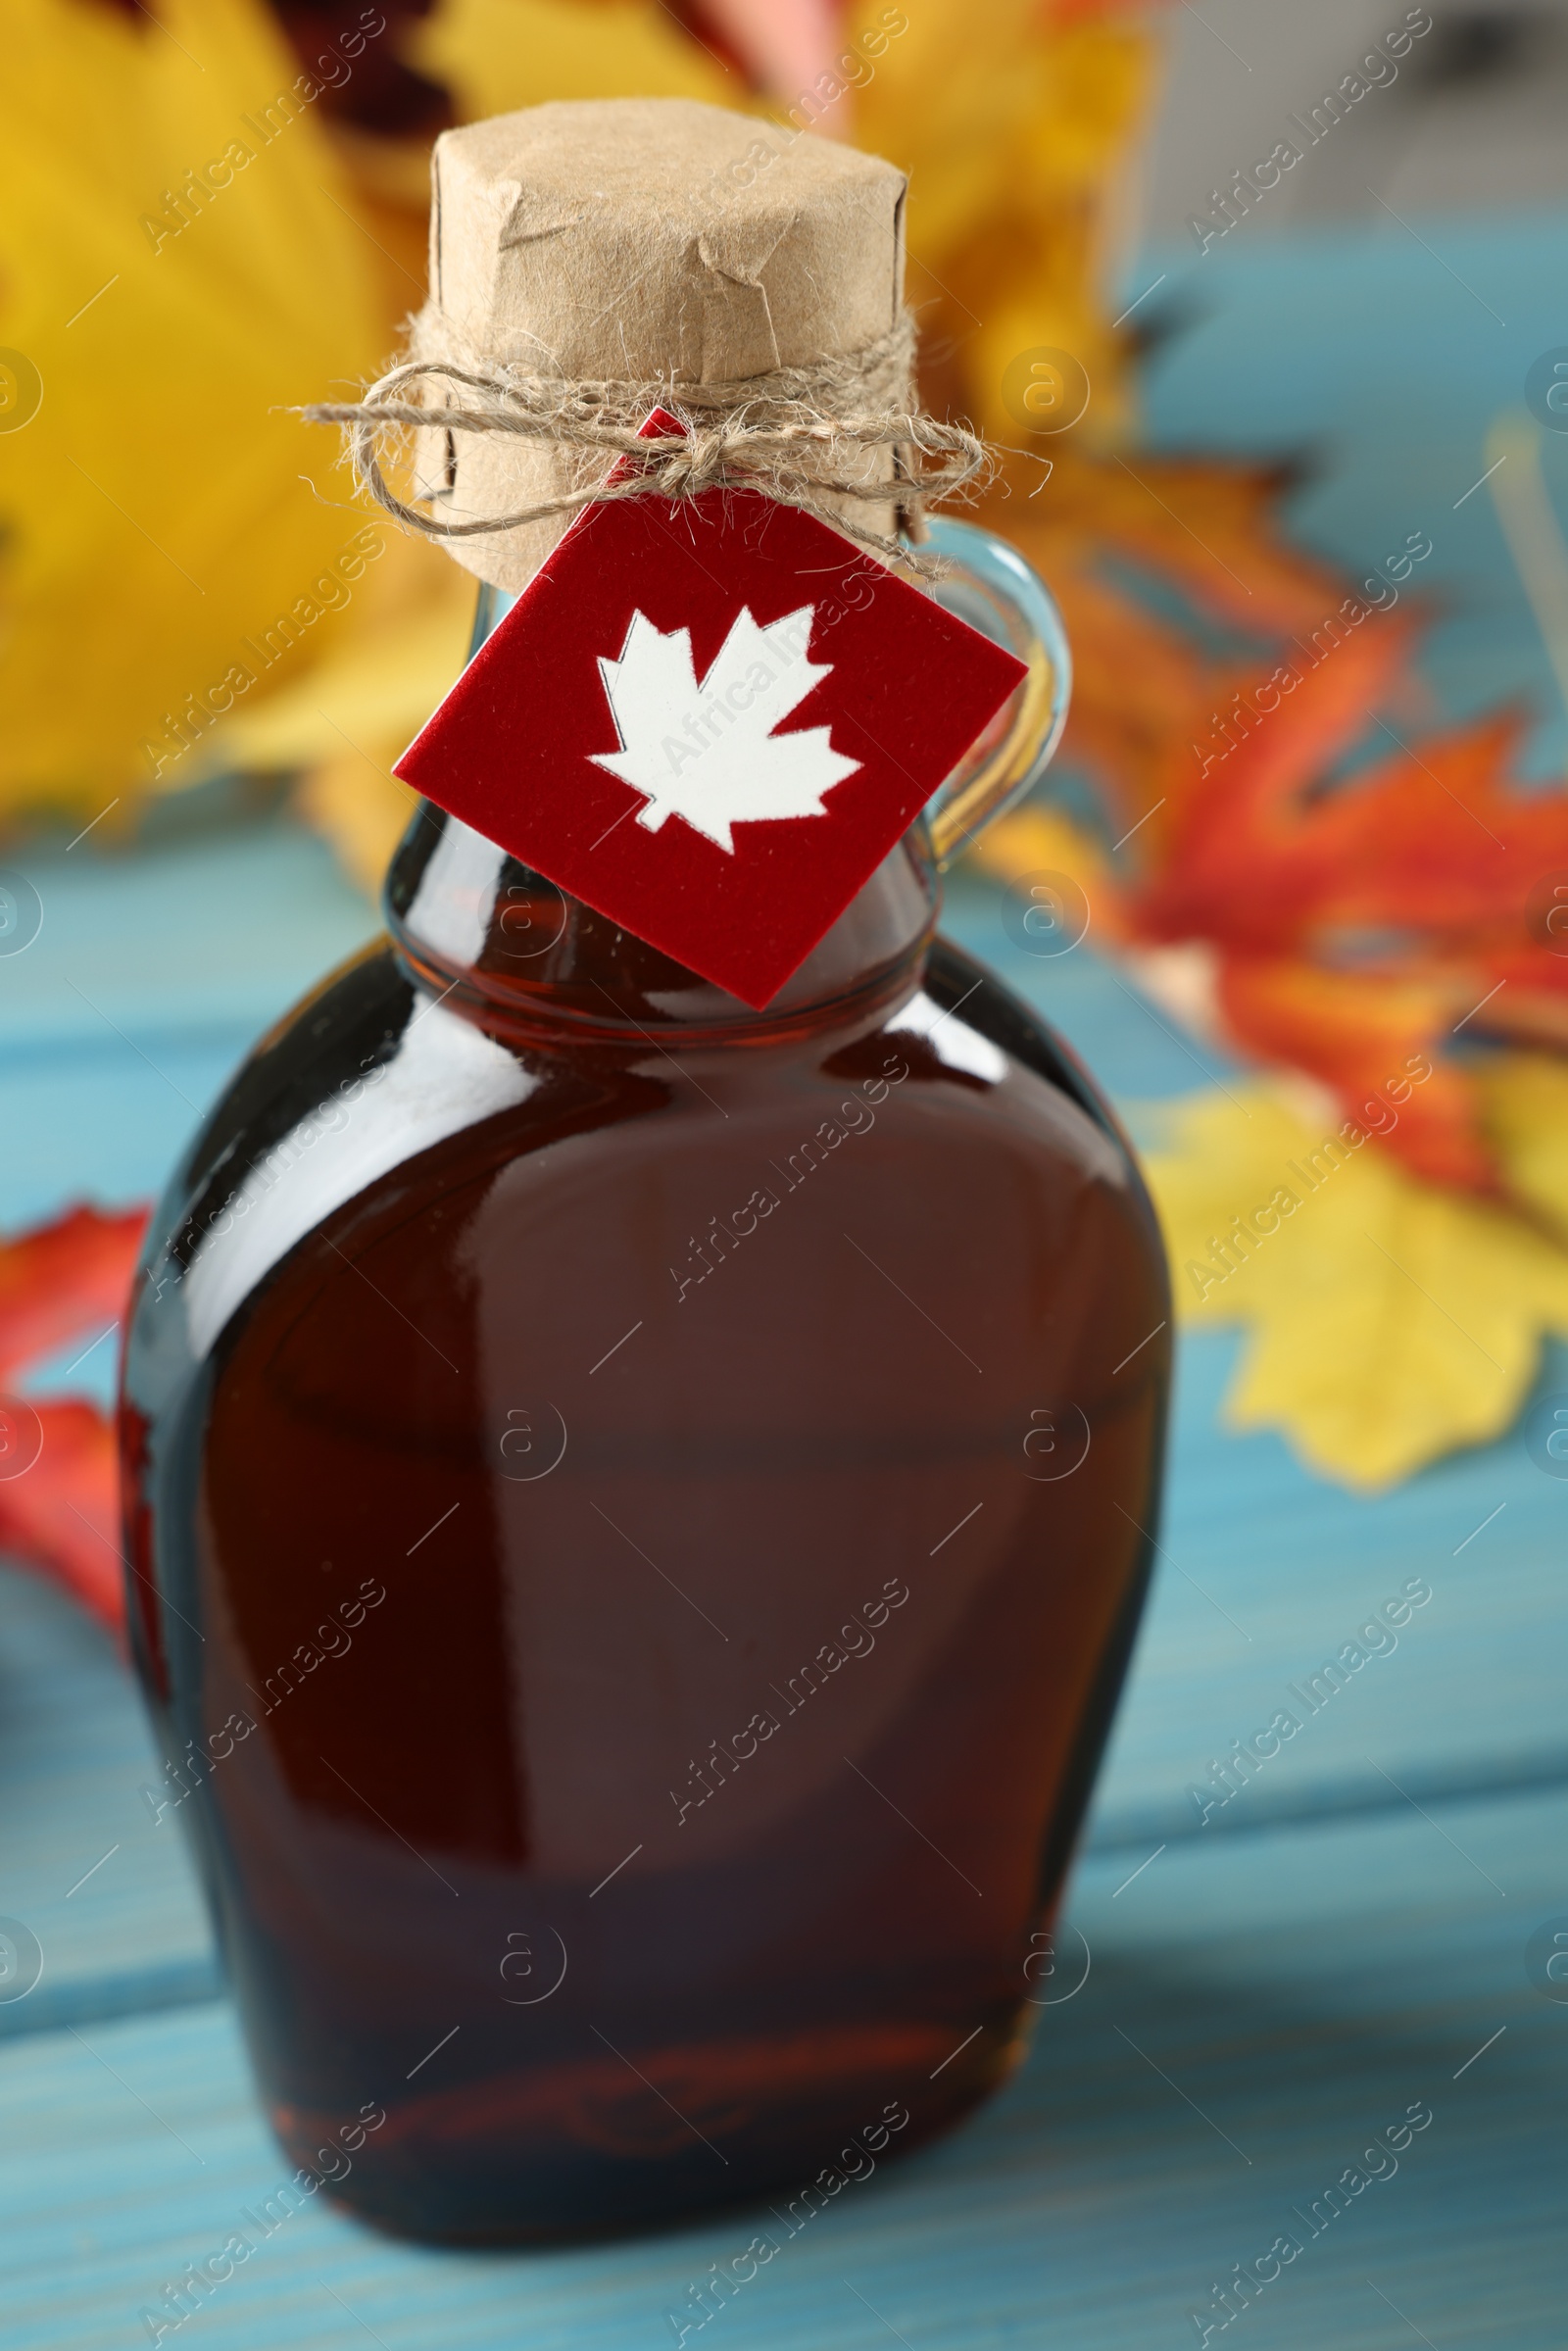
<point>638,1510</point>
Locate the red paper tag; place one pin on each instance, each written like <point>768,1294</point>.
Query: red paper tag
<point>710,722</point>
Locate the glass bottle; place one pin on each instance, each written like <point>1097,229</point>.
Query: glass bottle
<point>638,1512</point>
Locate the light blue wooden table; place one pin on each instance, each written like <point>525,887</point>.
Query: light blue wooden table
<point>1265,1994</point>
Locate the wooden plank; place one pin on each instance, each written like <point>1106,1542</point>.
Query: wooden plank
<point>102,1121</point>
<point>108,1892</point>
<point>1267,1571</point>
<point>221,928</point>
<point>1255,2011</point>
<point>151,976</point>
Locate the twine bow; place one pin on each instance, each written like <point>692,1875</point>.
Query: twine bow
<point>800,435</point>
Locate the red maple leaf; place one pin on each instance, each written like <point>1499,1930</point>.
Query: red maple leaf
<point>1361,895</point>
<point>1359,921</point>
<point>59,1511</point>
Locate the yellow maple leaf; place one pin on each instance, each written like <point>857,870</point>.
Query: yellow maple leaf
<point>178,265</point>
<point>341,725</point>
<point>1010,123</point>
<point>494,55</point>
<point>1042,838</point>
<point>155,525</point>
<point>1388,1320</point>
<point>1013,125</point>
<point>1526,1111</point>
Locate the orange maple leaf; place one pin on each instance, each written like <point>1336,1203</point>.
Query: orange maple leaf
<point>1362,923</point>
<point>1362,900</point>
<point>59,1279</point>
<point>59,1517</point>
<point>59,1506</point>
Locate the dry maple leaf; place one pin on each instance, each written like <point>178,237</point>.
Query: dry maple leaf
<point>61,1517</point>
<point>1356,923</point>
<point>59,1279</point>
<point>1388,1320</point>
<point>1118,544</point>
<point>1347,915</point>
<point>59,1511</point>
<point>178,263</point>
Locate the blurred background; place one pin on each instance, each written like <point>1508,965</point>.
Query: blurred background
<point>1266,306</point>
<point>1259,304</point>
<point>1475,124</point>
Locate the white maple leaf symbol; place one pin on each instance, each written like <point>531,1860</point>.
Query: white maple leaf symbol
<point>708,751</point>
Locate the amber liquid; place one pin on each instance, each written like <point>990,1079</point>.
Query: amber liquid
<point>617,1568</point>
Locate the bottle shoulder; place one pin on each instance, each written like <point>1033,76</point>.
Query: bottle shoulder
<point>1025,1074</point>
<point>373,1095</point>
<point>361,1027</point>
<point>957,983</point>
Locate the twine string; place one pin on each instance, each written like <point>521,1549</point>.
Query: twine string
<point>800,435</point>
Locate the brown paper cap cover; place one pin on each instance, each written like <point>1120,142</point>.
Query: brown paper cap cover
<point>639,239</point>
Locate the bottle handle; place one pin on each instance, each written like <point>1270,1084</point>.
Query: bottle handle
<point>989,585</point>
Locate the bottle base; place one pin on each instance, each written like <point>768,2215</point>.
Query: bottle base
<point>449,2172</point>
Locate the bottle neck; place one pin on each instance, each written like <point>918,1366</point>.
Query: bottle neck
<point>519,952</point>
